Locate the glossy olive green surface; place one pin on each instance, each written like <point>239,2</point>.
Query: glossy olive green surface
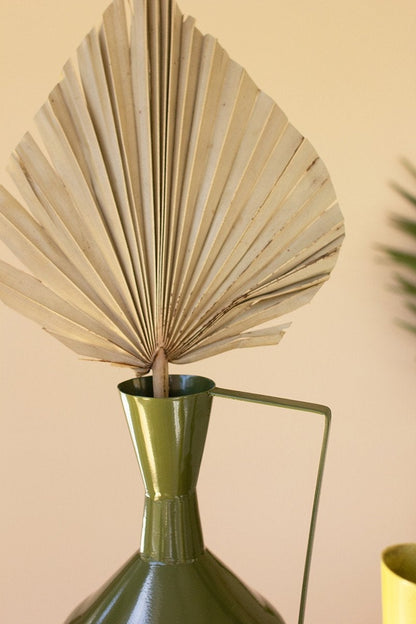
<point>168,434</point>
<point>200,592</point>
<point>173,579</point>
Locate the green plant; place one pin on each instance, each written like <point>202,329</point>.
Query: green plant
<point>405,260</point>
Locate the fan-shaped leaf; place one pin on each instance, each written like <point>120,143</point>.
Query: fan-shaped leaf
<point>174,208</point>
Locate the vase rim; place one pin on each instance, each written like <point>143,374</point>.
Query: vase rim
<point>180,386</point>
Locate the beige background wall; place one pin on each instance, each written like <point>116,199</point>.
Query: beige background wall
<point>345,73</point>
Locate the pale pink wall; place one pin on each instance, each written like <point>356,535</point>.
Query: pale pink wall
<point>345,73</point>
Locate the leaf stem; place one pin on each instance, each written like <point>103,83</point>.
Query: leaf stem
<point>160,375</point>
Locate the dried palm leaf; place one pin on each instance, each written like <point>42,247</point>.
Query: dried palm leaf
<point>172,207</point>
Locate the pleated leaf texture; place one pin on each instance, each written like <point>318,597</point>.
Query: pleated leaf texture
<point>168,203</point>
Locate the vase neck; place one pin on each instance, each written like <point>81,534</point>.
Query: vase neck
<point>169,437</point>
<point>172,530</point>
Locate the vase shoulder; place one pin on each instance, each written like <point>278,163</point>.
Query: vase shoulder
<point>199,592</point>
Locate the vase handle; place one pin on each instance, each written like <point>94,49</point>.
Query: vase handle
<point>304,407</point>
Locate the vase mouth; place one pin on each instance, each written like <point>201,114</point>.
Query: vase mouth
<point>179,386</point>
<point>400,559</point>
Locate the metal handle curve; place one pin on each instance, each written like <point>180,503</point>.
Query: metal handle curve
<point>304,407</point>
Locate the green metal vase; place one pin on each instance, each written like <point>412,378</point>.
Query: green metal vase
<point>173,578</point>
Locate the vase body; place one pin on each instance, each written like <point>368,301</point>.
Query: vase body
<point>173,579</point>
